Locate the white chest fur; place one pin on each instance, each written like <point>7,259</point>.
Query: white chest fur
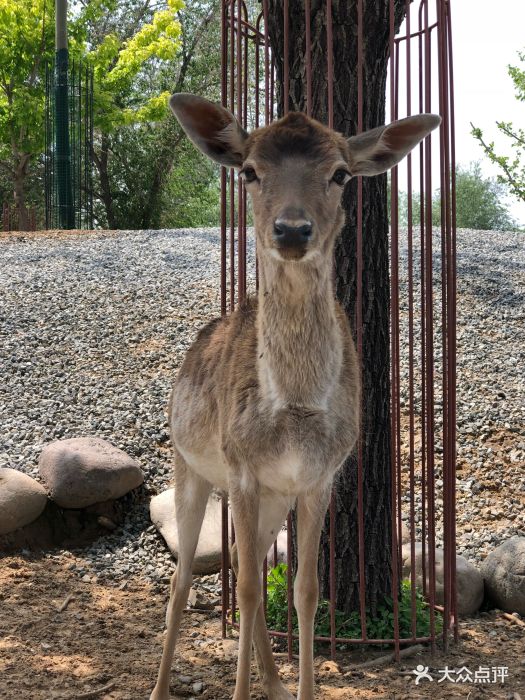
<point>291,473</point>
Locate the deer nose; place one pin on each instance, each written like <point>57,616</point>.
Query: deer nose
<point>291,233</point>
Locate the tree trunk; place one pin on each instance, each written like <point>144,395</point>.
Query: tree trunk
<point>19,179</point>
<point>375,288</point>
<point>101,163</point>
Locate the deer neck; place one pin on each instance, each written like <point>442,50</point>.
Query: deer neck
<point>299,340</point>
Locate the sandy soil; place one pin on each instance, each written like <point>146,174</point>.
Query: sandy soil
<point>106,644</point>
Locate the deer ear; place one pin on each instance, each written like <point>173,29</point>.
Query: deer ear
<point>378,150</point>
<point>213,129</point>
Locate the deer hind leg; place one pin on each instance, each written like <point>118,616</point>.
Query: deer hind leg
<point>191,497</point>
<point>272,513</point>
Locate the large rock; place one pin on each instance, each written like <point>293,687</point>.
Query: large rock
<point>504,574</point>
<point>469,581</point>
<point>208,556</point>
<point>22,500</point>
<point>82,471</point>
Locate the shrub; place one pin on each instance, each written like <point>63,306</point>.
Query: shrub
<point>379,626</point>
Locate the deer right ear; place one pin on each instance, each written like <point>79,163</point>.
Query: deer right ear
<point>213,129</point>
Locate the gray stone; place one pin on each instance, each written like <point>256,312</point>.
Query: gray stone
<point>82,471</point>
<point>470,587</point>
<point>504,574</point>
<point>22,500</point>
<point>282,550</point>
<point>208,556</point>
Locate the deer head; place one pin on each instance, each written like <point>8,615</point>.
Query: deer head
<point>295,169</point>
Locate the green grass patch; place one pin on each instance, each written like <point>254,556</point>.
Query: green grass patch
<point>379,626</point>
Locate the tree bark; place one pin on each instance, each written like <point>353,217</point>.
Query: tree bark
<point>375,287</point>
<point>19,192</point>
<point>101,163</point>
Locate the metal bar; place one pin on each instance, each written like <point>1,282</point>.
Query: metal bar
<point>330,62</point>
<point>225,566</point>
<point>406,38</point>
<point>444,319</point>
<point>266,65</point>
<point>422,221</point>
<point>308,57</point>
<point>286,67</point>
<point>452,325</point>
<point>410,337</point>
<point>429,340</point>
<point>224,102</point>
<point>289,587</point>
<point>394,342</point>
<point>332,574</point>
<point>225,575</point>
<point>359,327</point>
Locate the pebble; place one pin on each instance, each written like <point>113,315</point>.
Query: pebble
<point>95,326</point>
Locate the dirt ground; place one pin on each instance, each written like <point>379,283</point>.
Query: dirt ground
<point>106,644</point>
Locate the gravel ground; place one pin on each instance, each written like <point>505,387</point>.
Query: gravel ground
<point>93,327</point>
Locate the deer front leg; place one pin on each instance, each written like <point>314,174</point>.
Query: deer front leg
<point>191,495</point>
<point>245,510</point>
<point>272,513</point>
<point>311,509</point>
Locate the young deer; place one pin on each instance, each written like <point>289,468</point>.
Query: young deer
<point>266,404</point>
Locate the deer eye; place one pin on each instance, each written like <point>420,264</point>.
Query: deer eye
<point>341,177</point>
<point>249,174</point>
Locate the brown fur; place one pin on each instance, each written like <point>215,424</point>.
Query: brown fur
<point>266,404</point>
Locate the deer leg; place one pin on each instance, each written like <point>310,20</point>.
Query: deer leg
<point>245,511</point>
<point>272,512</point>
<point>311,510</point>
<point>191,497</point>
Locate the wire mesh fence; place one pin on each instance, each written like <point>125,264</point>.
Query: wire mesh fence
<point>78,87</point>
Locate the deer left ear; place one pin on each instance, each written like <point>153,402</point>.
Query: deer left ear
<point>213,129</point>
<point>375,151</point>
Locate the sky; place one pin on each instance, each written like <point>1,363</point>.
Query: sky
<point>487,36</point>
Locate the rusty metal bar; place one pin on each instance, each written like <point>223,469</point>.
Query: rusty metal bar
<point>308,57</point>
<point>411,406</point>
<point>452,325</point>
<point>266,65</point>
<point>286,57</point>
<point>359,327</point>
<point>225,575</point>
<point>394,342</point>
<point>330,62</point>
<point>238,35</point>
<point>289,586</point>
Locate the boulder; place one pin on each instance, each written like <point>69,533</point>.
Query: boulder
<point>469,581</point>
<point>22,500</point>
<point>504,574</point>
<point>405,533</point>
<point>208,557</point>
<point>82,471</point>
<point>282,550</point>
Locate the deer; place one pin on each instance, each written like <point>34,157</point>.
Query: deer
<point>266,405</point>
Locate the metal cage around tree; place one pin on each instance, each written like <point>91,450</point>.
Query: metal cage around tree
<point>79,114</point>
<point>259,85</point>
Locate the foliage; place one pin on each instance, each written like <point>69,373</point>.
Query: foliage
<point>117,62</point>
<point>192,195</point>
<point>380,626</point>
<point>148,175</point>
<point>512,169</point>
<point>480,202</point>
